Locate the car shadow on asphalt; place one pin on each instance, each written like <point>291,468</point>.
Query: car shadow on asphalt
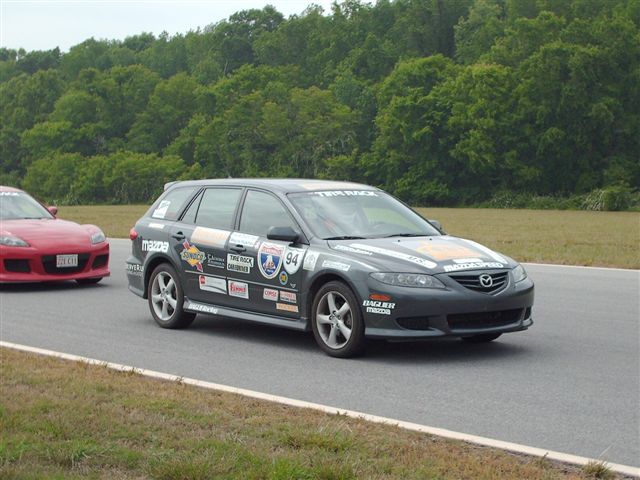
<point>46,286</point>
<point>449,350</point>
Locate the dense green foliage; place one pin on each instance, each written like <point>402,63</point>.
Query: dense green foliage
<point>440,102</point>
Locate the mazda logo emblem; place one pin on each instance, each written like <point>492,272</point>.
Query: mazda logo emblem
<point>486,281</point>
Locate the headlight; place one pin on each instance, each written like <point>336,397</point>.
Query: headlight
<point>98,237</point>
<point>519,273</point>
<point>408,280</point>
<point>12,241</point>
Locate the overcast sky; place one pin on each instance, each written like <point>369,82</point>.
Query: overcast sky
<point>46,24</point>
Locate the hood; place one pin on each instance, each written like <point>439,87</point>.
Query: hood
<point>49,232</point>
<point>429,254</point>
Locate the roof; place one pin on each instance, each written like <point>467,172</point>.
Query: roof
<point>283,185</point>
<point>4,188</point>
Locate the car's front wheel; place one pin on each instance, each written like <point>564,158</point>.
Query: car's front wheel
<point>336,321</point>
<point>166,297</point>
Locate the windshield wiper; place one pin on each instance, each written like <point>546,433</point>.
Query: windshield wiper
<point>407,235</point>
<point>345,237</point>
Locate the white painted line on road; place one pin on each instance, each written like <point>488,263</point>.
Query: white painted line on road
<point>524,263</point>
<point>440,432</point>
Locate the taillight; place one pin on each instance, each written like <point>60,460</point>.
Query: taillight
<point>133,234</point>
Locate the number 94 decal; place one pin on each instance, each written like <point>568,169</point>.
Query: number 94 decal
<point>293,259</point>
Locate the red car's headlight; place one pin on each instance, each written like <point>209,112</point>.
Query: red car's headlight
<point>12,241</point>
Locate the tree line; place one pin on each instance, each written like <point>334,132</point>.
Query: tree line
<point>451,102</point>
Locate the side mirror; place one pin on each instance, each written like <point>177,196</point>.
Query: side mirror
<point>285,234</point>
<point>436,224</point>
<point>53,210</point>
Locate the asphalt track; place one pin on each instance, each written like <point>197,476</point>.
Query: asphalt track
<point>570,384</point>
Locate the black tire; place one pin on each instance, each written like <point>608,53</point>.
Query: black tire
<point>350,320</point>
<point>162,294</point>
<point>88,281</point>
<point>482,338</point>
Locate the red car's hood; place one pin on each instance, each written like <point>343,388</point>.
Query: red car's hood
<point>48,232</point>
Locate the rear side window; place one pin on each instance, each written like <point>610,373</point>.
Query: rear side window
<point>217,207</point>
<point>261,211</point>
<point>171,204</point>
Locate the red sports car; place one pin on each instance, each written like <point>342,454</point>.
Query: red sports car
<point>36,246</point>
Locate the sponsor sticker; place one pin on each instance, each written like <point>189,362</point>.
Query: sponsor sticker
<point>270,294</point>
<point>238,289</point>
<point>192,255</point>
<point>270,259</point>
<point>488,251</point>
<point>157,226</point>
<point>287,307</point>
<point>468,266</point>
<point>283,277</point>
<point>440,251</point>
<point>239,263</point>
<point>346,248</point>
<point>161,209</point>
<point>215,262</point>
<point>466,260</point>
<point>243,239</point>
<point>293,259</point>
<point>344,267</point>
<point>288,297</point>
<point>135,270</point>
<point>201,307</point>
<point>391,253</point>
<point>155,246</point>
<point>346,193</point>
<point>213,284</point>
<point>380,308</point>
<point>9,194</point>
<point>310,260</point>
<point>210,237</point>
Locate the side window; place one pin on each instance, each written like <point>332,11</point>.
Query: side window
<point>217,207</point>
<point>262,211</point>
<point>190,215</point>
<point>171,204</point>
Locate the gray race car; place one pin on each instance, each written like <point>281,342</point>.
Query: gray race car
<point>345,260</point>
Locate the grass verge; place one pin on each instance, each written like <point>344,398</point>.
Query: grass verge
<point>62,419</point>
<point>605,239</point>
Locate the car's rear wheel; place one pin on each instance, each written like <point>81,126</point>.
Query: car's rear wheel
<point>88,281</point>
<point>336,321</point>
<point>166,297</point>
<point>482,338</point>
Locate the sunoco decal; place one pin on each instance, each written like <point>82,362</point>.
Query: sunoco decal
<point>270,259</point>
<point>380,308</point>
<point>155,246</point>
<point>192,255</point>
<point>293,259</point>
<point>239,263</point>
<point>213,284</point>
<point>441,251</point>
<point>391,253</point>
<point>210,237</point>
<point>238,289</point>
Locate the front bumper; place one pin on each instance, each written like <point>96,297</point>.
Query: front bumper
<point>454,311</point>
<point>28,264</point>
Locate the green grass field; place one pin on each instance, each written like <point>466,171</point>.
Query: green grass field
<point>606,239</point>
<point>68,420</point>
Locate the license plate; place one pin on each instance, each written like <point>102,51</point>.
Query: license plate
<point>66,261</point>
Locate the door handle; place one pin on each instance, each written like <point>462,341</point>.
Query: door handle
<point>178,236</point>
<point>238,248</point>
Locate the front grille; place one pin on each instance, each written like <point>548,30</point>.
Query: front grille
<point>100,261</point>
<point>484,319</point>
<point>473,281</point>
<point>413,323</point>
<point>49,265</point>
<point>16,265</point>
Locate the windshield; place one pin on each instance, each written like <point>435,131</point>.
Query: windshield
<point>15,205</point>
<point>352,214</point>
